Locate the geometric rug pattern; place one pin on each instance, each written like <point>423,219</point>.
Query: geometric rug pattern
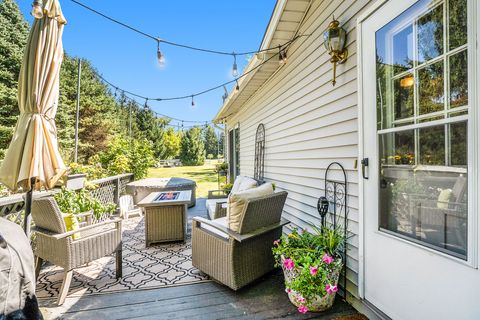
<point>159,265</point>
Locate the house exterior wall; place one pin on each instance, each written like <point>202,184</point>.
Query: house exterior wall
<point>309,123</point>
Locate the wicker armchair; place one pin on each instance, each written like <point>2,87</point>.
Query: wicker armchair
<point>238,258</point>
<point>54,244</point>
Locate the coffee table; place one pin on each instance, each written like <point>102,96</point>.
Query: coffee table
<point>165,216</point>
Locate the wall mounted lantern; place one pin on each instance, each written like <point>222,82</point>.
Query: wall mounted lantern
<point>334,40</point>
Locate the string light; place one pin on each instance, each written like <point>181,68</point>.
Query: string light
<point>160,56</point>
<point>147,35</point>
<point>37,9</point>
<point>282,56</point>
<point>237,88</point>
<point>193,103</point>
<point>145,107</point>
<point>234,67</point>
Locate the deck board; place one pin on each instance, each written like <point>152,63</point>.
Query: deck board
<point>265,299</point>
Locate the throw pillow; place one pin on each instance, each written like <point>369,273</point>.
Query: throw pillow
<point>71,223</point>
<point>444,198</point>
<point>238,201</point>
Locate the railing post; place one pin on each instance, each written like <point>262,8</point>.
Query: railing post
<point>117,190</point>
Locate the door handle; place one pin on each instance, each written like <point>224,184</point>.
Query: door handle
<point>364,163</point>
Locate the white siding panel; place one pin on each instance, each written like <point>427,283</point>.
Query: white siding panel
<point>309,123</point>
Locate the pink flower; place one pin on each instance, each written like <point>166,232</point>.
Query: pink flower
<point>276,242</point>
<point>331,289</point>
<point>300,298</point>
<point>313,270</point>
<point>288,264</point>
<point>302,309</point>
<point>288,290</point>
<point>327,259</point>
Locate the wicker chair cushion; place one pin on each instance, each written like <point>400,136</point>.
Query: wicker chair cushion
<point>221,222</point>
<point>238,201</point>
<point>243,183</point>
<point>71,223</point>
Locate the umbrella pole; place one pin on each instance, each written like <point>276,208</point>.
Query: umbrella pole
<point>28,208</point>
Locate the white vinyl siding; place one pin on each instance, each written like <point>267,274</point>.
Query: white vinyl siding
<point>309,123</point>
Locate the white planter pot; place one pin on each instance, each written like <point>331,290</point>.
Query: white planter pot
<point>318,303</point>
<point>76,181</point>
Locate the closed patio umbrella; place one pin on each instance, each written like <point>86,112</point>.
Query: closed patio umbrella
<point>32,160</point>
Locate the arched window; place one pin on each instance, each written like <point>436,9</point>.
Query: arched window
<point>259,152</point>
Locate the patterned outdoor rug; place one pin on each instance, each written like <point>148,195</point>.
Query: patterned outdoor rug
<point>159,265</point>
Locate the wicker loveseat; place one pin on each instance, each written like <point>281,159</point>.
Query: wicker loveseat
<point>238,258</point>
<point>54,244</point>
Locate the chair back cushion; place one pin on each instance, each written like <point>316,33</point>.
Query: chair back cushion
<point>72,223</point>
<point>238,202</point>
<point>242,183</point>
<point>263,212</point>
<point>47,215</point>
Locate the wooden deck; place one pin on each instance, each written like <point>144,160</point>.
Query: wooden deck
<point>265,299</point>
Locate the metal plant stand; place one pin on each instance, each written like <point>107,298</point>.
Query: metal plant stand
<point>259,167</point>
<point>332,208</point>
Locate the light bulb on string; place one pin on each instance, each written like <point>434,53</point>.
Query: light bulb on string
<point>234,67</point>
<point>37,9</point>
<point>193,102</point>
<point>116,89</point>
<point>160,56</point>
<point>145,107</point>
<point>237,88</point>
<point>282,56</point>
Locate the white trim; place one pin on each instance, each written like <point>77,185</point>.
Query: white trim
<point>361,205</point>
<point>272,25</point>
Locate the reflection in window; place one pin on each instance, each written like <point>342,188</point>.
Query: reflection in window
<point>459,79</point>
<point>430,35</point>
<point>457,23</point>
<point>431,93</point>
<point>403,88</point>
<point>432,145</point>
<point>403,50</point>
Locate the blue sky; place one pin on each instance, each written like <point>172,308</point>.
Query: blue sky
<point>129,60</point>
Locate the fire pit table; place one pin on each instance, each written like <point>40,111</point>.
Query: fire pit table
<point>142,188</point>
<point>165,216</point>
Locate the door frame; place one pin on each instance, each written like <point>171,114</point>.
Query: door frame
<point>474,150</point>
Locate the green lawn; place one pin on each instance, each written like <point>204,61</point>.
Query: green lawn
<point>205,176</point>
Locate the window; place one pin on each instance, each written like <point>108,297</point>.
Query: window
<point>234,152</point>
<point>422,125</point>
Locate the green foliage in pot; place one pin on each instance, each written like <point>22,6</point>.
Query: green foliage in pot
<point>227,187</point>
<point>221,167</point>
<point>70,201</point>
<point>313,262</point>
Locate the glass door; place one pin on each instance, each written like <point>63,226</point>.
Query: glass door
<point>422,124</point>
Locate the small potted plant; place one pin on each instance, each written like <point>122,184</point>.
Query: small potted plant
<point>311,264</point>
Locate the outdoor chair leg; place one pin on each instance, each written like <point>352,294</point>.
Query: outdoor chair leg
<point>67,278</point>
<point>118,257</point>
<point>38,266</point>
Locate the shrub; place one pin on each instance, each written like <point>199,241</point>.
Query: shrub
<point>70,201</point>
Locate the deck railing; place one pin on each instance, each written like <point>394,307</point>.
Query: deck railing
<point>108,190</point>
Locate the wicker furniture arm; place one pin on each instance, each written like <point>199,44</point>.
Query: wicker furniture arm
<point>237,259</point>
<point>55,244</point>
<point>217,194</point>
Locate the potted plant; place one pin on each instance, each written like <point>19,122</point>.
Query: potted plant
<point>311,264</point>
<point>222,169</point>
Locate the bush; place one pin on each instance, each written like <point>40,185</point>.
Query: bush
<point>209,156</point>
<point>93,171</point>
<point>128,156</point>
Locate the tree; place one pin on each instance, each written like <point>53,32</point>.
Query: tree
<point>172,140</point>
<point>192,149</point>
<point>211,141</point>
<point>13,39</point>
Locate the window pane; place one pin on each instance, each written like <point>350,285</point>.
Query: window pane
<point>458,144</point>
<point>457,23</point>
<point>430,87</point>
<point>459,80</point>
<point>426,205</point>
<point>403,50</point>
<point>432,145</point>
<point>403,97</point>
<point>430,35</point>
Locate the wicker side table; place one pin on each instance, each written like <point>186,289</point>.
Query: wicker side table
<point>165,219</point>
